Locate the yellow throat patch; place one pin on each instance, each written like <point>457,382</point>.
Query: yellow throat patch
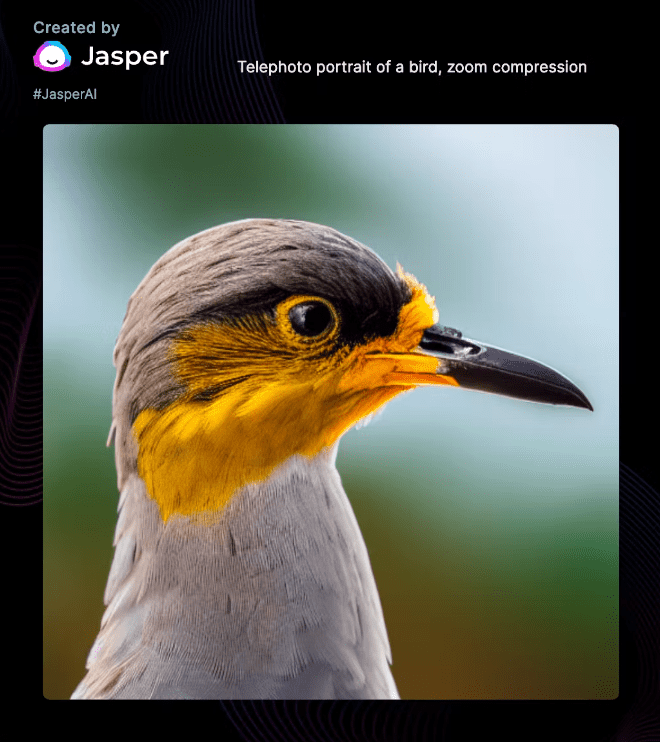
<point>256,393</point>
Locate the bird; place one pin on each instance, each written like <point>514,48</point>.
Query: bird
<point>239,569</point>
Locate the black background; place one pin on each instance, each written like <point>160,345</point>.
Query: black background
<point>204,86</point>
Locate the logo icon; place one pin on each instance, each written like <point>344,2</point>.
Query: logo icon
<point>52,57</point>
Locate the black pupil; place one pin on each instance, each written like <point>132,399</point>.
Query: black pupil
<point>310,318</point>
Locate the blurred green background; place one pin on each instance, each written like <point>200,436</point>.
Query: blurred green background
<point>491,523</point>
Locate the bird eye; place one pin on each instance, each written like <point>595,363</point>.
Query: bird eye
<point>310,318</point>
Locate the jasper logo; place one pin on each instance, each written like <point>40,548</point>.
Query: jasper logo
<point>52,57</point>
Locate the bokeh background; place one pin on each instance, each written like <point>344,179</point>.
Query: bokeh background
<point>491,523</point>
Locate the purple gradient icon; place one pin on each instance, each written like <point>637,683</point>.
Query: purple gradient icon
<point>52,57</point>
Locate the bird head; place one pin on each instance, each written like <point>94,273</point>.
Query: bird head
<point>258,340</point>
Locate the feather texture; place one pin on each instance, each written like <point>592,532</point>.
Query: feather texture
<point>273,598</point>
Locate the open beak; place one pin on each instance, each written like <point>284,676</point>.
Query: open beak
<point>474,365</point>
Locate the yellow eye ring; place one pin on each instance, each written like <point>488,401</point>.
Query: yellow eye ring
<point>307,318</point>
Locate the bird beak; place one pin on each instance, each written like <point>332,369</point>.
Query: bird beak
<point>474,365</point>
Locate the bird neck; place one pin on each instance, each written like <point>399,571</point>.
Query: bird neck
<point>285,562</point>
